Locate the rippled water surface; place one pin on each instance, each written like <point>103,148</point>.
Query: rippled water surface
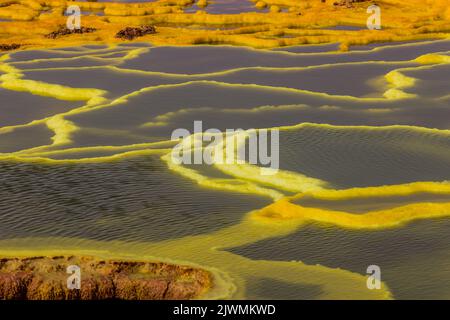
<point>87,165</point>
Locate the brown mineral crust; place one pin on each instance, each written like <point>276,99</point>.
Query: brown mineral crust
<point>13,286</point>
<point>179,290</point>
<point>347,3</point>
<point>41,289</point>
<point>96,289</point>
<point>45,278</point>
<point>129,33</point>
<point>140,289</point>
<point>63,31</point>
<point>8,47</point>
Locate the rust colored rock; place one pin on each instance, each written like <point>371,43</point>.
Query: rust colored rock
<point>347,3</point>
<point>13,286</point>
<point>96,289</point>
<point>140,289</point>
<point>129,33</point>
<point>8,47</point>
<point>45,278</point>
<point>181,291</point>
<point>63,31</point>
<point>45,289</point>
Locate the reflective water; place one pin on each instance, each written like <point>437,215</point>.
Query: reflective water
<point>86,168</point>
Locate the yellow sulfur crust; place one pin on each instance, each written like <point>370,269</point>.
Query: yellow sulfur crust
<point>302,22</point>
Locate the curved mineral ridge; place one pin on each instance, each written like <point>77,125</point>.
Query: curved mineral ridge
<point>106,136</point>
<point>88,165</point>
<point>45,278</point>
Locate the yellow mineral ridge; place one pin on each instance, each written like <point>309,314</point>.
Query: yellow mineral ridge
<point>286,23</point>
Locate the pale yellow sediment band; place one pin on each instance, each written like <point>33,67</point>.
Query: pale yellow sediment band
<point>284,210</point>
